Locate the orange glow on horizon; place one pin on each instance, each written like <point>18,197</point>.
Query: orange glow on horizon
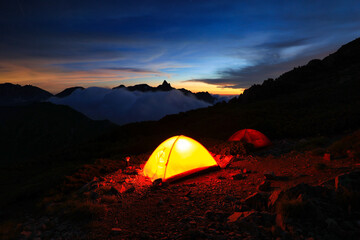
<point>55,80</point>
<point>205,87</point>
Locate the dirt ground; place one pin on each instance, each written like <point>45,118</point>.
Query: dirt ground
<point>186,209</point>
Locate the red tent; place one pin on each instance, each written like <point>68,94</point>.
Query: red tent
<point>252,136</point>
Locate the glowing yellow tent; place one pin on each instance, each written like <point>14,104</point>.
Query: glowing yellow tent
<point>177,157</point>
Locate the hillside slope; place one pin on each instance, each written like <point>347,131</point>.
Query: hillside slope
<point>31,131</point>
<point>340,69</point>
<point>14,94</point>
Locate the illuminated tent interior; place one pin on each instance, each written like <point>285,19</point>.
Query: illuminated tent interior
<point>251,136</point>
<point>177,157</point>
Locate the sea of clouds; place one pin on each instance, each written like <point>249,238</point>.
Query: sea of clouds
<point>122,106</point>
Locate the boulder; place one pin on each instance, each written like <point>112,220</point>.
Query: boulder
<point>272,176</point>
<point>269,175</point>
<point>124,188</point>
<point>273,198</point>
<point>238,176</point>
<point>282,221</point>
<point>265,186</point>
<point>237,215</point>
<point>93,184</point>
<point>350,181</point>
<point>216,216</point>
<point>327,157</point>
<point>257,201</point>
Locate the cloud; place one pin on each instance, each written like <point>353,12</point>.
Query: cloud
<point>268,60</point>
<point>131,70</point>
<point>122,106</point>
<point>284,43</point>
<point>245,77</point>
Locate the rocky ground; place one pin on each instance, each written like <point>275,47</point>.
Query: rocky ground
<point>290,196</point>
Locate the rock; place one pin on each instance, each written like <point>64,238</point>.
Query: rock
<point>305,190</point>
<point>26,234</point>
<point>43,226</point>
<point>115,231</point>
<point>235,216</point>
<point>156,184</point>
<point>165,184</point>
<point>264,219</point>
<point>193,223</point>
<point>225,161</point>
<point>216,216</point>
<point>115,190</point>
<point>238,176</point>
<point>350,181</point>
<point>130,171</point>
<point>328,184</point>
<point>93,184</point>
<point>124,188</point>
<point>221,177</point>
<point>257,201</point>
<point>276,230</point>
<point>350,154</point>
<point>241,208</point>
<point>264,186</point>
<point>282,221</point>
<point>246,170</point>
<point>94,195</point>
<point>229,198</point>
<point>194,234</point>
<point>128,188</point>
<point>269,175</point>
<point>160,203</point>
<point>45,219</point>
<point>47,234</point>
<point>333,227</point>
<point>273,198</point>
<point>327,157</point>
<point>331,223</point>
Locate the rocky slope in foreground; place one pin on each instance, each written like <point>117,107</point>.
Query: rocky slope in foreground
<point>291,196</point>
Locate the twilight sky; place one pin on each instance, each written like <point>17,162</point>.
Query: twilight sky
<point>202,45</point>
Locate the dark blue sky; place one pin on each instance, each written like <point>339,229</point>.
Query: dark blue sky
<point>219,46</point>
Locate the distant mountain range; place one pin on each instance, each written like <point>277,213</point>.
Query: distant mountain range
<point>16,95</point>
<point>165,86</point>
<point>67,92</point>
